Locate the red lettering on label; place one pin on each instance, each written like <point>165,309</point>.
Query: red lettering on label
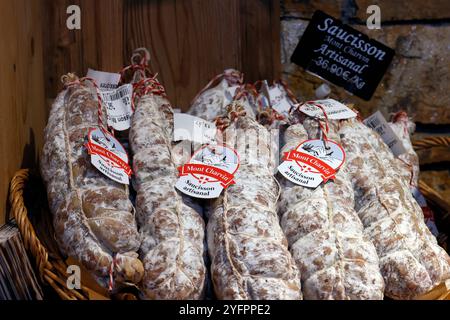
<point>327,171</point>
<point>225,178</point>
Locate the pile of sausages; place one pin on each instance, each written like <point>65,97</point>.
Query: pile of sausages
<point>326,238</point>
<point>411,261</point>
<point>358,236</point>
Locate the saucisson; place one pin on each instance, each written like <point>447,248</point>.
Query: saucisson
<point>212,101</point>
<point>325,235</point>
<point>172,227</point>
<point>248,250</point>
<point>411,261</point>
<point>93,216</point>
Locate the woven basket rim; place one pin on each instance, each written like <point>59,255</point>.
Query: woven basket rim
<point>431,142</point>
<point>51,270</point>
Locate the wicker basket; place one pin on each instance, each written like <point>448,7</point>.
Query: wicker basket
<point>30,210</point>
<point>52,267</point>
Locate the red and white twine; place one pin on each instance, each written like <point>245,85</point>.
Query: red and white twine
<point>111,274</point>
<point>71,80</point>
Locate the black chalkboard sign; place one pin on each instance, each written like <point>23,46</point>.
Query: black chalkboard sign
<point>342,55</point>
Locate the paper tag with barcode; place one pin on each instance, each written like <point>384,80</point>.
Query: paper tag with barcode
<point>118,106</point>
<point>104,80</point>
<point>187,127</point>
<point>264,94</point>
<point>230,92</point>
<point>378,123</point>
<point>265,89</point>
<point>334,109</point>
<point>278,100</point>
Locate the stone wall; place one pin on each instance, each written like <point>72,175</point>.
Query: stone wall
<point>418,79</point>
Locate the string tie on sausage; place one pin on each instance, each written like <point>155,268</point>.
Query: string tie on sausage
<point>111,273</point>
<point>71,79</point>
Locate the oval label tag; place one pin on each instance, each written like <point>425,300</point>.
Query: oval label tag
<point>108,155</point>
<point>312,162</point>
<point>210,170</point>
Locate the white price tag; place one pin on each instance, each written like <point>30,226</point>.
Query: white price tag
<point>264,96</point>
<point>104,80</point>
<point>278,100</point>
<point>230,92</point>
<point>334,109</point>
<point>118,106</point>
<point>187,127</point>
<point>378,123</point>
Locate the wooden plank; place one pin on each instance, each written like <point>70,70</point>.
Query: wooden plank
<point>60,45</point>
<point>208,43</point>
<point>101,38</point>
<point>260,29</point>
<point>189,44</point>
<point>97,45</point>
<point>110,37</point>
<point>275,25</point>
<point>190,41</point>
<point>152,24</point>
<point>306,8</point>
<point>23,113</point>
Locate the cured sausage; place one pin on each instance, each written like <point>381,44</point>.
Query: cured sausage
<point>411,261</point>
<point>325,235</point>
<point>93,217</point>
<point>408,165</point>
<point>408,162</point>
<point>172,227</point>
<point>248,250</point>
<point>212,101</point>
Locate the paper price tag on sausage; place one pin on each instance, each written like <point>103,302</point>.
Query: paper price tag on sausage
<point>210,170</point>
<point>334,109</point>
<point>104,80</point>
<point>264,94</point>
<point>118,106</point>
<point>378,123</point>
<point>312,162</point>
<point>229,93</point>
<point>108,155</point>
<point>278,101</point>
<point>187,127</point>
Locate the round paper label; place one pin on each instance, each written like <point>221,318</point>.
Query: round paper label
<point>108,155</point>
<point>210,170</point>
<point>312,162</point>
